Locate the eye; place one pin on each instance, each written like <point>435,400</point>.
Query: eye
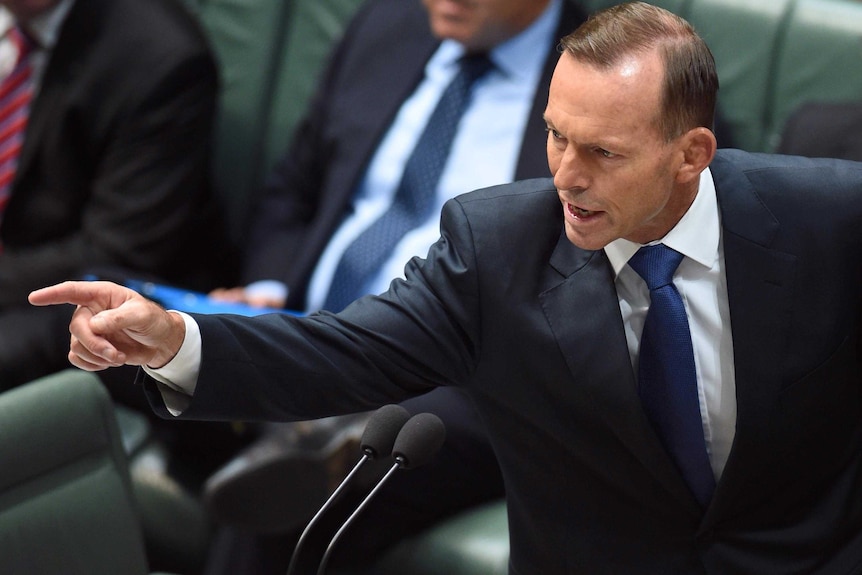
<point>605,153</point>
<point>555,134</point>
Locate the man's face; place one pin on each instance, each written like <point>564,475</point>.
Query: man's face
<point>25,10</point>
<point>616,175</point>
<point>481,24</point>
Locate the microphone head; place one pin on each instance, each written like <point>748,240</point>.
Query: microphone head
<point>419,440</point>
<point>382,429</point>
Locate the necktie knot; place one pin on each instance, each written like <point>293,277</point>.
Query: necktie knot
<point>656,264</point>
<point>474,66</point>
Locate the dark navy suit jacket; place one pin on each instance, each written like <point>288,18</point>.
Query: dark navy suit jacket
<point>505,307</point>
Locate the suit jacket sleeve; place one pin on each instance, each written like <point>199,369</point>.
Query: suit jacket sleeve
<point>422,333</point>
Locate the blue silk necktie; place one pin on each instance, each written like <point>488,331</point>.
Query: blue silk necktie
<point>415,195</point>
<point>667,380</point>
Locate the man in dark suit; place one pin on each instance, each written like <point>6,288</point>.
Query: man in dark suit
<point>532,302</point>
<point>113,171</point>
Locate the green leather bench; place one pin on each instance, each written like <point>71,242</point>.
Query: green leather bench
<point>66,500</point>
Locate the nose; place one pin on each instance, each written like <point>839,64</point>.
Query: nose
<point>570,173</point>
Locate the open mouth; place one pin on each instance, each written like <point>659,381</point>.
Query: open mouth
<point>579,212</point>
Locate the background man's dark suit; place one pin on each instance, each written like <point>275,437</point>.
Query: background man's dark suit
<point>114,166</point>
<point>310,191</point>
<point>506,307</point>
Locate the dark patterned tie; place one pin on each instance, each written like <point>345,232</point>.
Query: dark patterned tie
<point>16,92</point>
<point>667,381</point>
<point>415,195</point>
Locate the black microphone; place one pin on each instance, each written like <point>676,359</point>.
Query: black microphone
<point>378,440</point>
<point>419,439</point>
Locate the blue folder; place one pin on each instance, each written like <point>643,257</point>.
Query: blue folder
<point>185,300</point>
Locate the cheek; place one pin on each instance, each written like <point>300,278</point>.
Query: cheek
<point>629,200</point>
<point>644,206</point>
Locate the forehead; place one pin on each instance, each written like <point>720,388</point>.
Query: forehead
<point>627,94</point>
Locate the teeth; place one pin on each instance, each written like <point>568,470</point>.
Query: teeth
<point>580,212</point>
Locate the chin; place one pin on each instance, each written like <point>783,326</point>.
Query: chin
<point>589,244</point>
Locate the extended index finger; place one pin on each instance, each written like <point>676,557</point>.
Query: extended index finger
<point>73,292</point>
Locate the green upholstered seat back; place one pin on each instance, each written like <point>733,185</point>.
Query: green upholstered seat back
<point>820,60</point>
<point>246,36</point>
<point>745,39</point>
<point>65,499</point>
<point>475,542</point>
<point>314,28</point>
<point>270,54</point>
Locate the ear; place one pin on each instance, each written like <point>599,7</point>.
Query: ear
<point>698,148</point>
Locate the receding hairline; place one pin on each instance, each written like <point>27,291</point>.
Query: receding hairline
<point>597,40</point>
<point>637,29</point>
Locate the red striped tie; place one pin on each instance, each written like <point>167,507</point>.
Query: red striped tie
<point>16,91</point>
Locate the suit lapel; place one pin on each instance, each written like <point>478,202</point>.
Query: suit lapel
<point>582,308</point>
<point>759,287</point>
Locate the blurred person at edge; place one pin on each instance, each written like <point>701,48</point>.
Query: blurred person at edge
<point>112,172</point>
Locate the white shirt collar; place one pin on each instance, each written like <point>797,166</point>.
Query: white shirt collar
<point>695,236</point>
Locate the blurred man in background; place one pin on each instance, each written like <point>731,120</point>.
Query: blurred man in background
<point>106,112</point>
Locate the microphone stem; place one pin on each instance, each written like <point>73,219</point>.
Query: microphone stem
<point>322,568</point>
<point>341,487</point>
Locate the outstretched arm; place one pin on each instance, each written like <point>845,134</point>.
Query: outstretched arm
<point>113,325</point>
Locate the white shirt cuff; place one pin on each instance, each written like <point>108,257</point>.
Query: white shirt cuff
<point>178,378</point>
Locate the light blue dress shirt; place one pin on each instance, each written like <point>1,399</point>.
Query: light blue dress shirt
<point>484,153</point>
